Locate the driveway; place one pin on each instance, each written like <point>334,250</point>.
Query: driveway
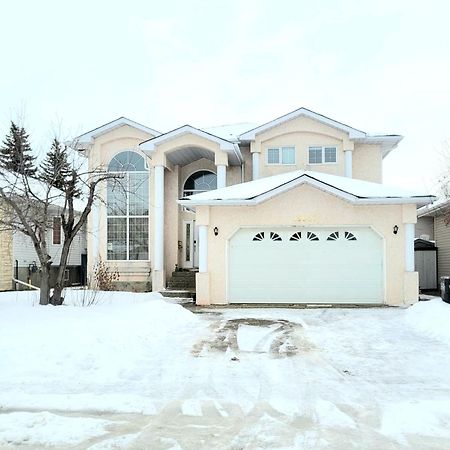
<point>295,379</point>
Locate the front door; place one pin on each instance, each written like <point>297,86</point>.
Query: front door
<point>190,244</point>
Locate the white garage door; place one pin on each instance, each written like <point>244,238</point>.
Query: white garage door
<point>305,265</point>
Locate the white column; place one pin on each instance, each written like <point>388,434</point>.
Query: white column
<point>221,176</point>
<point>348,163</point>
<point>159,219</point>
<point>202,248</point>
<point>255,161</point>
<point>95,216</point>
<point>409,247</point>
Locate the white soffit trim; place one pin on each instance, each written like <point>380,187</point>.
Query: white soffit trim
<point>186,129</point>
<point>353,132</point>
<point>87,138</point>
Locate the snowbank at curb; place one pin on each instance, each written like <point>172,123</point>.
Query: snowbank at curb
<point>431,318</point>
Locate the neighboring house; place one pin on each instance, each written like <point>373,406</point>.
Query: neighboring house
<point>18,258</point>
<point>26,262</point>
<point>299,215</point>
<point>6,260</point>
<point>433,224</point>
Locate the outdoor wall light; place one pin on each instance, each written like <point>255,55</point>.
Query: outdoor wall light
<point>395,229</point>
<point>216,231</point>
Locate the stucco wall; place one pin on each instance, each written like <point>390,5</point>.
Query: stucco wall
<point>368,163</point>
<point>290,209</point>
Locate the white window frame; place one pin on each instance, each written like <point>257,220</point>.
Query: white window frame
<point>322,147</point>
<point>280,156</point>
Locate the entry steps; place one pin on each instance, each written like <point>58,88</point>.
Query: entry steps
<point>181,286</point>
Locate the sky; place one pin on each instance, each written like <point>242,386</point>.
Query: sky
<point>380,66</point>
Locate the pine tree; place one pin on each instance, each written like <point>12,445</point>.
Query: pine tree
<point>56,170</point>
<point>15,154</point>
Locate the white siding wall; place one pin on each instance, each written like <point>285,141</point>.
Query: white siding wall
<point>442,237</point>
<point>24,252</point>
<point>424,226</point>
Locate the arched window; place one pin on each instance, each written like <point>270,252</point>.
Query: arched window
<point>127,208</point>
<point>198,182</point>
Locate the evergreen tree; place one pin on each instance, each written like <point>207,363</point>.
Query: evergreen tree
<point>15,154</point>
<point>56,170</point>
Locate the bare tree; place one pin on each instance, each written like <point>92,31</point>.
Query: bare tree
<point>27,206</point>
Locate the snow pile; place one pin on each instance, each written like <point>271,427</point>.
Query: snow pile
<point>48,429</point>
<point>431,318</point>
<point>104,357</point>
<point>427,418</point>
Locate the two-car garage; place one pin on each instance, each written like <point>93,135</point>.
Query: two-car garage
<point>306,265</point>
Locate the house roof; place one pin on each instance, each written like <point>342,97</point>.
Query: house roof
<point>230,147</point>
<point>388,142</point>
<point>439,207</point>
<point>87,138</point>
<point>350,189</point>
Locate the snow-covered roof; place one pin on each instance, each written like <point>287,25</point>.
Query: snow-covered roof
<point>230,132</point>
<point>86,139</point>
<point>351,189</point>
<point>388,142</point>
<point>441,206</point>
<point>230,147</point>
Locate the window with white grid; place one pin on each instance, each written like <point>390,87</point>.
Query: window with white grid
<point>128,208</point>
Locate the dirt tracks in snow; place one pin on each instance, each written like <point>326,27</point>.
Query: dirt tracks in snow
<point>277,338</point>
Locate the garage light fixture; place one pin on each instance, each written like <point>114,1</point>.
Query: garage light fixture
<point>395,229</point>
<point>216,231</point>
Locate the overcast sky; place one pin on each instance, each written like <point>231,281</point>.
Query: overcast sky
<point>379,66</point>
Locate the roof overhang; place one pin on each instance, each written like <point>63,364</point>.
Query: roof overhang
<point>234,154</point>
<point>352,132</point>
<point>435,209</point>
<point>86,140</point>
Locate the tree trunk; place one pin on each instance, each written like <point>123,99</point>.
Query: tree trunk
<point>59,285</point>
<point>45,285</point>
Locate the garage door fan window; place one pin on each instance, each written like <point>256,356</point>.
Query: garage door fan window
<point>259,236</point>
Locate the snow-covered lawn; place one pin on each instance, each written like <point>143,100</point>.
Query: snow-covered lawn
<point>137,372</point>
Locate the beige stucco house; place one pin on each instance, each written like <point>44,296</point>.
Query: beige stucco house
<point>292,211</point>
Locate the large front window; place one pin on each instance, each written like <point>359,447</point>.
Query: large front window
<point>127,208</point>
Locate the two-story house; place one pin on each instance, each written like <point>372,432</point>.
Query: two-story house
<point>292,211</point>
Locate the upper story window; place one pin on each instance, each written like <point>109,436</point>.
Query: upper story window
<point>322,155</point>
<point>56,231</point>
<point>127,208</point>
<point>199,182</point>
<point>281,155</point>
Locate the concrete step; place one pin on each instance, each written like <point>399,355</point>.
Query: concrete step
<point>178,293</point>
<point>182,274</point>
<point>181,285</point>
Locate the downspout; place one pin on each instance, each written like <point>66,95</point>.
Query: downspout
<point>16,274</point>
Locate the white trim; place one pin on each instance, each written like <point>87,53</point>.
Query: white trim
<point>159,219</point>
<point>88,138</point>
<point>323,147</point>
<point>353,132</point>
<point>255,165</point>
<point>187,129</point>
<point>409,247</point>
<point>188,264</point>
